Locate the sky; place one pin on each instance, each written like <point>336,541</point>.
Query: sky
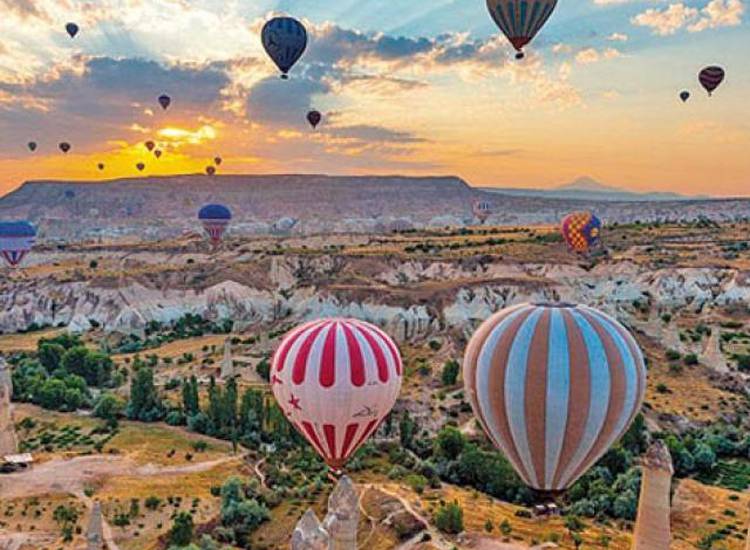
<point>410,87</point>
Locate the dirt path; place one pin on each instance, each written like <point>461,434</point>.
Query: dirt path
<point>70,476</point>
<point>437,538</point>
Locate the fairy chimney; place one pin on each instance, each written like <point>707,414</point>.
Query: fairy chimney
<point>343,516</point>
<point>309,535</point>
<point>7,431</point>
<point>94,536</point>
<point>652,531</point>
<point>339,529</point>
<point>227,363</point>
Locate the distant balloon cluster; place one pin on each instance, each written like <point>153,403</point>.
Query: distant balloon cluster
<point>709,78</point>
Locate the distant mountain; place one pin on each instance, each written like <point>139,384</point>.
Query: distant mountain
<point>587,188</point>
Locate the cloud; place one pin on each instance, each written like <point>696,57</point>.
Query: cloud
<point>717,13</point>
<point>278,103</point>
<point>617,37</point>
<point>592,55</point>
<point>23,8</point>
<point>667,21</point>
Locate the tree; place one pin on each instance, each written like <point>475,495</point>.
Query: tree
<point>506,528</point>
<point>181,533</point>
<point>190,400</point>
<point>407,429</point>
<point>109,407</point>
<point>50,356</point>
<point>450,519</point>
<point>450,373</point>
<point>144,403</point>
<point>450,442</point>
<point>704,457</point>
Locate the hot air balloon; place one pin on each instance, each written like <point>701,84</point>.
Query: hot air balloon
<point>140,166</point>
<point>482,210</point>
<point>711,77</point>
<point>150,145</point>
<point>554,386</point>
<point>684,95</point>
<point>336,380</point>
<point>16,240</point>
<point>100,166</point>
<point>284,40</point>
<point>314,118</point>
<point>157,153</point>
<point>215,219</point>
<point>64,147</point>
<point>217,161</point>
<point>210,170</point>
<point>32,146</point>
<point>72,29</point>
<point>520,20</point>
<point>165,101</point>
<point>582,231</point>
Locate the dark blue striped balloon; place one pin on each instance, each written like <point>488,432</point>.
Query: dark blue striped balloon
<point>285,40</point>
<point>214,212</point>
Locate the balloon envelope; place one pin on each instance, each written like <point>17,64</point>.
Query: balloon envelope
<point>140,166</point>
<point>711,77</point>
<point>16,240</point>
<point>64,147</point>
<point>150,145</point>
<point>157,153</point>
<point>210,170</point>
<point>336,380</point>
<point>165,101</point>
<point>520,20</point>
<point>314,118</point>
<point>32,146</point>
<point>215,219</point>
<point>71,29</point>
<point>684,96</point>
<point>217,161</point>
<point>581,231</point>
<point>554,386</point>
<point>285,40</point>
<point>100,166</point>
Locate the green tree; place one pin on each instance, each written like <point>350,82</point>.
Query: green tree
<point>190,399</point>
<point>109,407</point>
<point>144,403</point>
<point>450,518</point>
<point>450,442</point>
<point>181,533</point>
<point>407,430</point>
<point>450,373</point>
<point>50,355</point>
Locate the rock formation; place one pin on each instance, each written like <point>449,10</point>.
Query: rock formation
<point>339,529</point>
<point>343,516</point>
<point>309,534</point>
<point>94,533</point>
<point>227,363</point>
<point>8,443</point>
<point>652,529</point>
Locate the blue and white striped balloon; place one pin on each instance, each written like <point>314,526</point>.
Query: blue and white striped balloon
<point>285,40</point>
<point>554,386</point>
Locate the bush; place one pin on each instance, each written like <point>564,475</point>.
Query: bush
<point>450,519</point>
<point>450,373</point>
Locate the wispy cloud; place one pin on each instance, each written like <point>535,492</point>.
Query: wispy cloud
<point>667,21</point>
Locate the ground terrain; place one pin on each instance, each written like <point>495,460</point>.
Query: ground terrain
<point>682,288</point>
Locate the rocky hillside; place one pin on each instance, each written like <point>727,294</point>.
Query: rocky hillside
<point>305,204</point>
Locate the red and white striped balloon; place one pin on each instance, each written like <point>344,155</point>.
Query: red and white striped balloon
<point>336,380</point>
